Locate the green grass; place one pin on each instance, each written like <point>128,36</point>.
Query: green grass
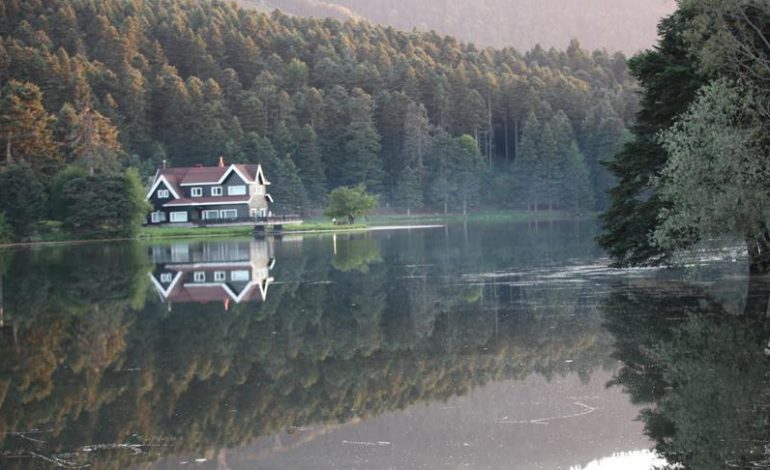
<point>479,216</point>
<point>171,232</point>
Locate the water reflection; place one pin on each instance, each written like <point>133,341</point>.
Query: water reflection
<point>96,370</point>
<point>221,271</point>
<point>695,358</point>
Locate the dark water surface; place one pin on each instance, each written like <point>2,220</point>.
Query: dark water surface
<point>480,346</point>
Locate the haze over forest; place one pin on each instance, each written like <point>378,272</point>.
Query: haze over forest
<point>625,25</point>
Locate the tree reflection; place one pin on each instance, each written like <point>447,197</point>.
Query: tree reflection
<point>700,369</point>
<point>95,371</point>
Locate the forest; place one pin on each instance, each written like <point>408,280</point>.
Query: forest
<point>427,122</point>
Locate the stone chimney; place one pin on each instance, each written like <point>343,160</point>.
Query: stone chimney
<point>221,161</point>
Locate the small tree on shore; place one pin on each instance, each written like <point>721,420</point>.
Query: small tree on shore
<point>350,202</point>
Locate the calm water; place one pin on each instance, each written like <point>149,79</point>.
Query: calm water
<point>480,346</point>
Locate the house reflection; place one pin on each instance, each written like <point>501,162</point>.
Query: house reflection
<point>230,271</point>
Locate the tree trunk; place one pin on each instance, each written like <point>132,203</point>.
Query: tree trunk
<point>505,129</point>
<point>8,155</point>
<point>465,205</point>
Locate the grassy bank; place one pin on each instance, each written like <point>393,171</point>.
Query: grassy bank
<point>51,232</point>
<point>481,216</point>
<point>171,232</point>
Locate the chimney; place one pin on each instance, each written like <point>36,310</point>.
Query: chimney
<point>164,163</point>
<point>221,161</point>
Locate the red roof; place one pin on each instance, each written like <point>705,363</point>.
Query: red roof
<point>205,174</point>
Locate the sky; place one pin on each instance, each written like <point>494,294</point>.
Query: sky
<point>616,25</point>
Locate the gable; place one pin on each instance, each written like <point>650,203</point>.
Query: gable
<point>161,180</point>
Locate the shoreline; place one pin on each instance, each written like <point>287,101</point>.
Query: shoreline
<point>375,223</point>
<point>373,228</point>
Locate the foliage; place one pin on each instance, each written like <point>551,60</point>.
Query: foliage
<point>186,81</point>
<point>709,179</point>
<point>22,198</point>
<point>350,202</point>
<point>669,82</point>
<point>105,206</point>
<point>26,129</point>
<point>716,179</point>
<point>6,231</point>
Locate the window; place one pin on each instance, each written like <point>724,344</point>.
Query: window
<point>236,190</point>
<point>239,276</point>
<point>157,217</point>
<point>199,276</point>
<point>179,216</point>
<point>228,214</point>
<point>196,192</point>
<point>165,278</point>
<point>210,214</point>
<point>219,276</point>
<point>216,191</point>
<point>163,194</point>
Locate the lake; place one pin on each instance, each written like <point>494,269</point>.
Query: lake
<point>482,346</point>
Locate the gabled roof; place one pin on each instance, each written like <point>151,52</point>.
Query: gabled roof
<point>175,178</point>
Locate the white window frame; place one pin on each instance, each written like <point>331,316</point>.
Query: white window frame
<point>199,276</point>
<point>208,213</point>
<point>216,190</point>
<point>158,217</point>
<point>220,276</point>
<point>179,216</point>
<point>223,213</point>
<point>163,194</point>
<point>196,192</point>
<point>239,190</point>
<point>239,276</point>
<point>165,278</point>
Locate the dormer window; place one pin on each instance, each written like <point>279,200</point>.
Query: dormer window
<point>216,191</point>
<point>163,194</point>
<point>196,192</point>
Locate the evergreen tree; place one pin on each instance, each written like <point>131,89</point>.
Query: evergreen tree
<point>310,167</point>
<point>286,187</point>
<point>578,195</point>
<point>669,81</point>
<point>26,129</point>
<point>22,198</point>
<point>362,144</point>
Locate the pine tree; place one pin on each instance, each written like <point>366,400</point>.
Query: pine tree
<point>362,145</point>
<point>526,176</point>
<point>26,129</point>
<point>577,194</point>
<point>635,207</point>
<point>286,188</point>
<point>310,167</point>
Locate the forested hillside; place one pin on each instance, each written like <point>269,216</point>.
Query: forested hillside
<point>626,25</point>
<point>424,120</point>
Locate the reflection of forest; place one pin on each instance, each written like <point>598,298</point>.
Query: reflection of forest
<point>89,358</point>
<point>700,368</point>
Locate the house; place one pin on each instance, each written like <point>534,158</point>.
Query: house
<point>202,195</point>
<point>227,272</point>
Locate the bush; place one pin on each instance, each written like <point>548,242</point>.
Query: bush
<point>22,199</point>
<point>104,206</point>
<point>350,202</point>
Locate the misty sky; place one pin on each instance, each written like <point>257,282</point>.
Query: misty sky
<point>626,25</point>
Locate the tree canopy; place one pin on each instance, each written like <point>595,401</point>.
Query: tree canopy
<point>350,202</point>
